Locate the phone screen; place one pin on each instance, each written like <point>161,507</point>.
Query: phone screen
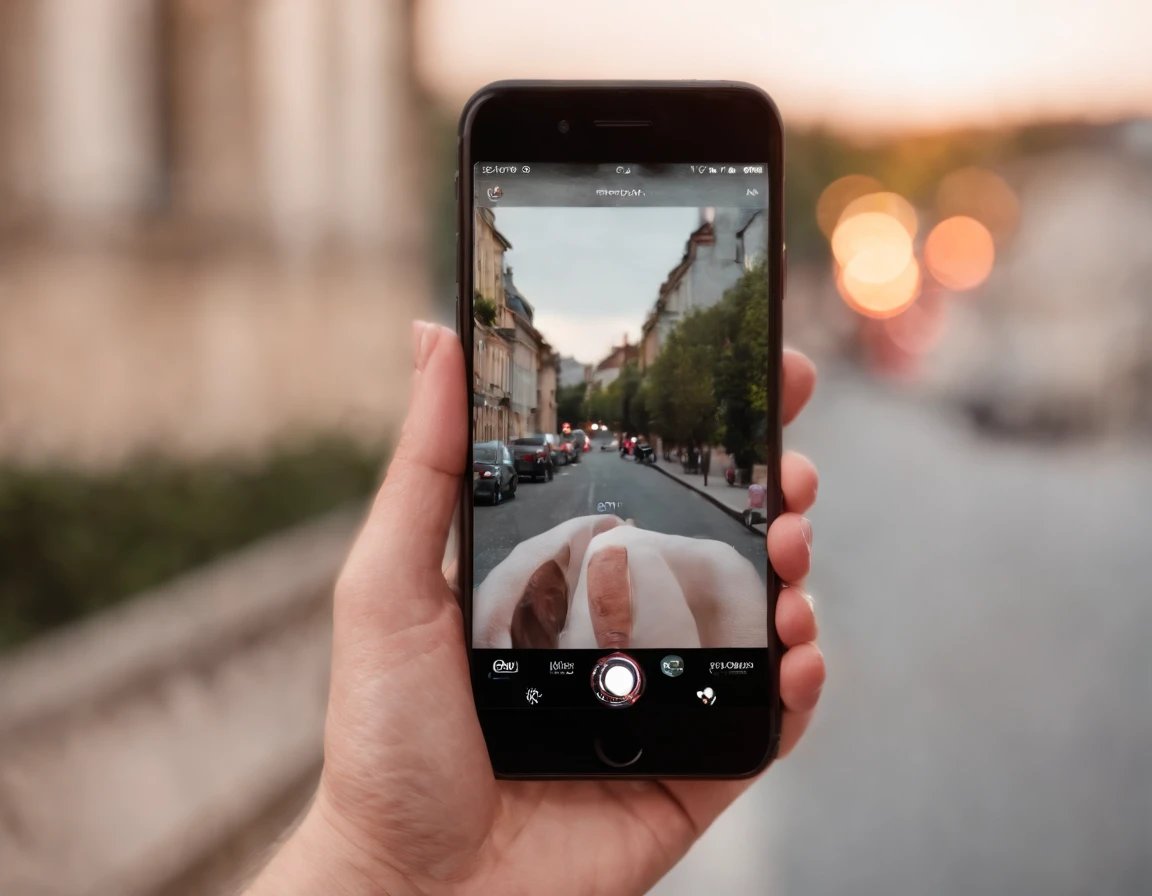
<point>621,426</point>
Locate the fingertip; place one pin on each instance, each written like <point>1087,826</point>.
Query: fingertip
<point>790,546</point>
<point>799,481</point>
<point>802,675</point>
<point>795,617</point>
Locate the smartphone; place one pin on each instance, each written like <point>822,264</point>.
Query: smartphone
<point>620,279</point>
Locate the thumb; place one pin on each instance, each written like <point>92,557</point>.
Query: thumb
<point>407,528</point>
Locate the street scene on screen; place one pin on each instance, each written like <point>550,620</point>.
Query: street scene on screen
<point>619,409</point>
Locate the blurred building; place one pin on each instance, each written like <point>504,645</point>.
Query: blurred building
<point>546,383</point>
<point>491,349</point>
<point>211,214</point>
<point>572,372</point>
<point>608,370</point>
<point>727,243</point>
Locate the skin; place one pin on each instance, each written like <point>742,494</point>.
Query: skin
<point>407,802</point>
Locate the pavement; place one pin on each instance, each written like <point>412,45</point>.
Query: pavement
<point>733,499</point>
<point>985,608</point>
<point>637,492</point>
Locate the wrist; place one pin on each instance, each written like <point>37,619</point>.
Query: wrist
<point>319,858</point>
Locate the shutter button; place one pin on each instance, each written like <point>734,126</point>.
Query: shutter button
<point>617,680</point>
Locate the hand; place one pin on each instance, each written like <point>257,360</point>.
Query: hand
<point>407,802</point>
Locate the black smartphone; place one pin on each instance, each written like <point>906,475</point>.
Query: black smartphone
<point>620,277</point>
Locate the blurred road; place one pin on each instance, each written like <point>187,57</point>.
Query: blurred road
<point>654,501</point>
<point>985,609</point>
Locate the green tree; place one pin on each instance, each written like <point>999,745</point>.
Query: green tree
<point>570,403</point>
<point>741,374</point>
<point>680,394</point>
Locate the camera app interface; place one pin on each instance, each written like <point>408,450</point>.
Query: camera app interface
<point>620,433</point>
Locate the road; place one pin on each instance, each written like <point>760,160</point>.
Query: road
<point>651,499</point>
<point>985,610</point>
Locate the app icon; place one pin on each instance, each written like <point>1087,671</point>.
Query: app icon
<point>533,696</point>
<point>672,665</point>
<point>707,696</point>
<point>494,194</point>
<point>506,667</point>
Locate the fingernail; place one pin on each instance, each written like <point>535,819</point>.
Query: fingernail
<point>423,337</point>
<point>806,531</point>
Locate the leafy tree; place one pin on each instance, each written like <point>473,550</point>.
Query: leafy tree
<point>742,369</point>
<point>680,392</point>
<point>570,403</point>
<point>710,381</point>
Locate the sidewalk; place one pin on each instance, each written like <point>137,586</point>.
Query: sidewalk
<point>732,499</point>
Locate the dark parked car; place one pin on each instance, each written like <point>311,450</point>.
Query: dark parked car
<point>493,472</point>
<point>532,456</point>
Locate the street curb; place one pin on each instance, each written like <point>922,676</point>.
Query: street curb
<point>735,514</point>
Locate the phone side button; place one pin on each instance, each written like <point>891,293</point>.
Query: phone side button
<point>617,751</point>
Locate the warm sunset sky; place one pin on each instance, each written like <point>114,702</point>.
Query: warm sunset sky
<point>855,64</point>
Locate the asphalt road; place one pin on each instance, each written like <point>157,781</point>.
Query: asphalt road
<point>651,499</point>
<point>985,612</point>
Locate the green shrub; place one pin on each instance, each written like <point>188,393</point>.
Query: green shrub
<point>72,543</point>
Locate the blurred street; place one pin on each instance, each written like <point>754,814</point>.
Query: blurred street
<point>654,501</point>
<point>987,722</point>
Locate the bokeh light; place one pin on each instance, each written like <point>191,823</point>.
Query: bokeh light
<point>838,195</point>
<point>879,300</point>
<point>980,194</point>
<point>959,253</point>
<point>892,204</point>
<point>874,244</point>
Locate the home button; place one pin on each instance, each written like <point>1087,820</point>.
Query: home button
<point>618,750</point>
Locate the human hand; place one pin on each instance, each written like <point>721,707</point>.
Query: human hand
<point>407,802</point>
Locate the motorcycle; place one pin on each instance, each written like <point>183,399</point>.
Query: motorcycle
<point>645,454</point>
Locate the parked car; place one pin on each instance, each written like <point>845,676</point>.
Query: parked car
<point>532,456</point>
<point>494,476</point>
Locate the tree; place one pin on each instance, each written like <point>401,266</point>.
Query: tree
<point>570,403</point>
<point>710,381</point>
<point>680,391</point>
<point>741,376</point>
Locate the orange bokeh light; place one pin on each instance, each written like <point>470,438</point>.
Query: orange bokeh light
<point>879,300</point>
<point>892,204</point>
<point>980,194</point>
<point>838,195</point>
<point>875,245</point>
<point>959,253</point>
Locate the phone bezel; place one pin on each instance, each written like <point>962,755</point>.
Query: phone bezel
<point>684,122</point>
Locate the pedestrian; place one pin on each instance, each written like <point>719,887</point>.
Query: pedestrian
<point>407,802</point>
<point>706,463</point>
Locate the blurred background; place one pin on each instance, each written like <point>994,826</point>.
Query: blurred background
<point>218,218</point>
